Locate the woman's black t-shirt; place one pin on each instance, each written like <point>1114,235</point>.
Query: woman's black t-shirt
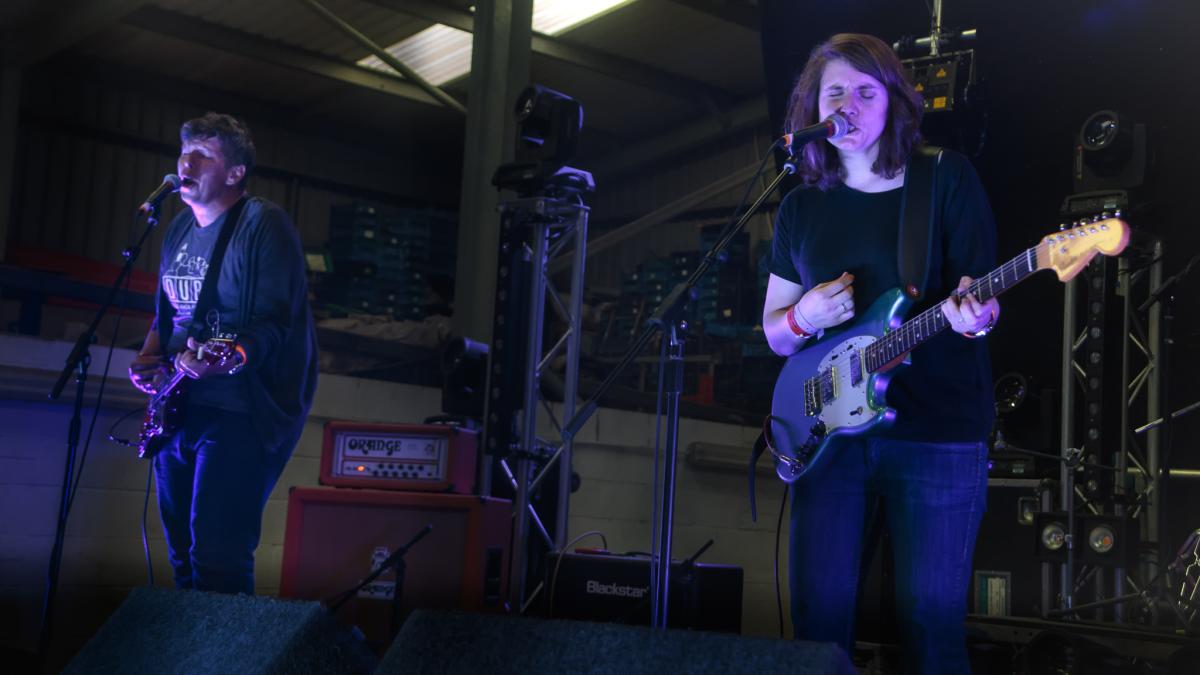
<point>946,394</point>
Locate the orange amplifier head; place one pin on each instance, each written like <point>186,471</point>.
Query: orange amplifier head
<point>424,457</point>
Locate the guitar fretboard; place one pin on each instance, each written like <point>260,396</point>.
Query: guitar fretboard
<point>931,322</point>
<point>163,393</point>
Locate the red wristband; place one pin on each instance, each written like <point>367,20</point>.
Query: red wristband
<point>794,325</point>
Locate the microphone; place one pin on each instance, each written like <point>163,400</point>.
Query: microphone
<point>170,184</point>
<point>834,126</point>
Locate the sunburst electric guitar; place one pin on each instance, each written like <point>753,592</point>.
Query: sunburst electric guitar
<point>835,387</point>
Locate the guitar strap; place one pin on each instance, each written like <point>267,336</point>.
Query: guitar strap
<point>918,223</point>
<point>918,220</point>
<point>208,289</point>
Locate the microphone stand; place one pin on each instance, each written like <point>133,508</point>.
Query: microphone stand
<point>668,318</point>
<point>396,560</point>
<point>1167,418</point>
<point>78,362</point>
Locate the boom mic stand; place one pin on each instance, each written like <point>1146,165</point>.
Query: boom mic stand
<point>668,319</point>
<point>78,362</point>
<point>396,560</point>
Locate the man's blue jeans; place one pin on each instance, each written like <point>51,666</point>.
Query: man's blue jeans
<point>213,480</point>
<point>932,497</point>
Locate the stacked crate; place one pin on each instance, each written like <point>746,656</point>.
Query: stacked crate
<point>383,258</point>
<point>724,297</point>
<point>641,291</point>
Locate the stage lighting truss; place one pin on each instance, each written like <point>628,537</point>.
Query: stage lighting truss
<point>1187,567</point>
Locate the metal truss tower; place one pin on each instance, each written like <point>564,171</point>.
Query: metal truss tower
<point>1132,490</point>
<point>529,445</point>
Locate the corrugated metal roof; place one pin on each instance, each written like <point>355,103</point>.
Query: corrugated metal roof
<point>661,63</point>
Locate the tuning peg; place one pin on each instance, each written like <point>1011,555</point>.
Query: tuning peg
<point>1062,226</point>
<point>1117,213</point>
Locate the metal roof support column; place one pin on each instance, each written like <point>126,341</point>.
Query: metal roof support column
<point>499,71</point>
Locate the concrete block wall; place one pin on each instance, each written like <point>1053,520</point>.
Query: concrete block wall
<point>103,554</point>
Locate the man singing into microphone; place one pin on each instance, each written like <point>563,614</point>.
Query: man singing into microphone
<point>835,252</point>
<point>243,415</point>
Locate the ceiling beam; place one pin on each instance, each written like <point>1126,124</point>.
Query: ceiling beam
<point>626,70</point>
<point>57,26</point>
<point>189,29</point>
<point>383,55</point>
<point>699,133</point>
<point>662,214</point>
<point>738,12</point>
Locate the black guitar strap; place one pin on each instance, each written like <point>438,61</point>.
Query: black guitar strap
<point>208,289</point>
<point>918,220</point>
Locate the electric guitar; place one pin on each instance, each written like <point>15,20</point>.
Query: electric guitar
<point>835,387</point>
<point>164,412</point>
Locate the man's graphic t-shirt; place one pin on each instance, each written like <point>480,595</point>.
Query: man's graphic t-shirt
<point>183,277</point>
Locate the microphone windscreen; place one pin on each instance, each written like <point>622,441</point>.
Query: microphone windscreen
<point>841,127</point>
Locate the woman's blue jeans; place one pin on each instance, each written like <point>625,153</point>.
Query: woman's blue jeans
<point>931,497</point>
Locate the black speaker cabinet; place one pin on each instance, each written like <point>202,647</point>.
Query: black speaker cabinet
<point>1006,578</point>
<point>613,588</point>
<point>457,642</point>
<point>167,631</point>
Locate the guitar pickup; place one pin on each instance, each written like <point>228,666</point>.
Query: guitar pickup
<point>812,398</point>
<point>828,385</point>
<point>856,369</point>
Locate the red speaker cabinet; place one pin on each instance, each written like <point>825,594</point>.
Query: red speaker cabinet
<point>336,538</point>
<point>423,457</point>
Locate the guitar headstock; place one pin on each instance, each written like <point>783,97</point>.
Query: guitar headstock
<point>1067,252</point>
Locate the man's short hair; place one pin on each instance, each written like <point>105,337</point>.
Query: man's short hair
<point>233,135</point>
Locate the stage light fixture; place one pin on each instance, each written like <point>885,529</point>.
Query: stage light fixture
<point>464,377</point>
<point>1050,532</point>
<point>1112,541</point>
<point>1101,539</point>
<point>1110,153</point>
<point>1027,510</point>
<point>1054,536</point>
<point>1010,391</point>
<point>548,127</point>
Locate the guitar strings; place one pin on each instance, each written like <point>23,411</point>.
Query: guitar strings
<point>891,346</point>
